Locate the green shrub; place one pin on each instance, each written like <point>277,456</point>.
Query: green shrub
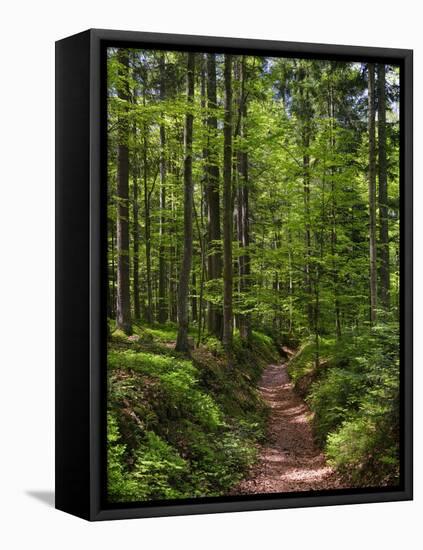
<point>335,396</point>
<point>354,397</point>
<point>365,450</point>
<point>182,428</point>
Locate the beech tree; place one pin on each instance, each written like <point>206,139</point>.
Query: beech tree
<point>243,212</point>
<point>182,343</point>
<point>162,316</point>
<point>123,307</point>
<point>214,319</point>
<point>253,210</point>
<point>227,210</point>
<point>383,191</point>
<point>265,196</point>
<point>372,193</point>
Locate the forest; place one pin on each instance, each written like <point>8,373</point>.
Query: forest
<point>253,274</point>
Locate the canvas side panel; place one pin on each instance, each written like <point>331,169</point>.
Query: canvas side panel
<point>72,274</point>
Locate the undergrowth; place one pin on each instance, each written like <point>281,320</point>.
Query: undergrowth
<point>353,394</point>
<point>178,427</point>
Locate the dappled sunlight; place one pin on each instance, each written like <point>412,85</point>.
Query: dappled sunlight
<point>292,462</point>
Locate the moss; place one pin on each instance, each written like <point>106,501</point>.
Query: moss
<point>119,335</point>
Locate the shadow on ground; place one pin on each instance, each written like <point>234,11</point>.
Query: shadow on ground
<point>46,497</point>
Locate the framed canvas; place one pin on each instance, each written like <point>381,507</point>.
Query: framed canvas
<point>233,274</point>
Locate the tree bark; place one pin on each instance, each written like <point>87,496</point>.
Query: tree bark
<point>243,209</point>
<point>173,276</point>
<point>135,237</point>
<point>334,208</point>
<point>383,192</point>
<point>214,258</point>
<point>305,115</point>
<point>182,343</point>
<point>123,313</point>
<point>227,211</point>
<point>162,315</point>
<point>112,253</point>
<point>194,311</point>
<point>147,221</point>
<point>372,194</point>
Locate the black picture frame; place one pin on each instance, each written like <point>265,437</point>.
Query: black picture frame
<point>80,277</point>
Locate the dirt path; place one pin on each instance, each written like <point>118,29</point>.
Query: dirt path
<point>290,461</point>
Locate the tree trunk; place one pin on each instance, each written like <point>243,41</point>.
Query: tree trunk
<point>194,312</point>
<point>243,210</point>
<point>383,193</point>
<point>305,115</point>
<point>123,313</point>
<point>147,221</point>
<point>182,343</point>
<point>135,236</point>
<point>172,264</point>
<point>372,194</point>
<point>162,316</point>
<point>334,208</point>
<point>214,258</point>
<point>203,209</point>
<point>227,210</point>
<point>306,188</point>
<point>112,254</point>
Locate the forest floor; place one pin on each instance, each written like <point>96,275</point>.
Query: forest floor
<point>291,460</point>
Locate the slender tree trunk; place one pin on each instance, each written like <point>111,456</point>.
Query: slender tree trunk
<point>319,243</point>
<point>203,210</point>
<point>162,315</point>
<point>290,286</point>
<point>201,240</point>
<point>306,188</point>
<point>172,265</point>
<point>135,237</point>
<point>383,192</point>
<point>110,270</point>
<point>194,314</point>
<point>243,209</point>
<point>372,194</point>
<point>305,137</point>
<point>227,211</point>
<point>112,254</point>
<point>182,343</point>
<point>147,221</point>
<point>334,236</point>
<point>214,258</point>
<point>123,314</point>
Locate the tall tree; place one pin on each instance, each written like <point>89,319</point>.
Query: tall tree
<point>199,220</point>
<point>147,217</point>
<point>305,115</point>
<point>162,316</point>
<point>135,232</point>
<point>227,210</point>
<point>333,209</point>
<point>214,259</point>
<point>243,205</point>
<point>372,192</point>
<point>182,343</point>
<point>113,271</point>
<point>123,306</point>
<point>383,191</point>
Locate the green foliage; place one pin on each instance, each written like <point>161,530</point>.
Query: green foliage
<point>365,448</point>
<point>354,397</point>
<point>184,427</point>
<point>180,428</point>
<point>304,361</point>
<point>334,397</point>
